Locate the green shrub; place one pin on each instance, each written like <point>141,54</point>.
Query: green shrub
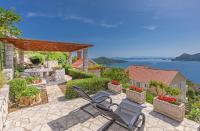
<point>17,86</point>
<point>30,91</point>
<point>2,80</point>
<point>37,58</point>
<point>77,74</point>
<point>116,74</point>
<point>194,114</point>
<point>20,69</point>
<point>58,56</point>
<point>149,97</point>
<point>126,85</point>
<point>67,67</point>
<point>31,79</point>
<point>91,85</point>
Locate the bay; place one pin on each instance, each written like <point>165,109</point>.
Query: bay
<point>190,69</point>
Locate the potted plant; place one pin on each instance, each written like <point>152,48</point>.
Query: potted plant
<point>115,86</point>
<point>167,104</point>
<point>136,94</point>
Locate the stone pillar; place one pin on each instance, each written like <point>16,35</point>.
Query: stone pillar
<point>9,56</point>
<point>70,58</point>
<point>85,60</point>
<point>21,58</point>
<point>79,54</point>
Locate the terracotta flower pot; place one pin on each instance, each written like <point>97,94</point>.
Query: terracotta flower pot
<point>138,97</point>
<point>176,112</point>
<point>115,88</point>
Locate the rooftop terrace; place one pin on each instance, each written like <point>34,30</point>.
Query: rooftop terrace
<point>61,114</point>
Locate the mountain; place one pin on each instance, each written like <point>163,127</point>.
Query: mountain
<point>188,57</point>
<point>105,60</point>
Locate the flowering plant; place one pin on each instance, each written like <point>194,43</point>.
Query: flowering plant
<point>114,82</point>
<point>167,99</point>
<point>134,88</point>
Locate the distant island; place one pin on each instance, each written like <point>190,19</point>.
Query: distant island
<point>188,57</point>
<point>105,60</point>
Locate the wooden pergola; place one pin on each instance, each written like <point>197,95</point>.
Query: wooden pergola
<point>42,45</point>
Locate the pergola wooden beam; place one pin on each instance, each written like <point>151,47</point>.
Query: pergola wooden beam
<point>41,45</point>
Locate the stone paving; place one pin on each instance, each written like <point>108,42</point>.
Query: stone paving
<point>60,115</point>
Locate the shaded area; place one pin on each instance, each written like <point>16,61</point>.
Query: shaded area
<point>73,118</point>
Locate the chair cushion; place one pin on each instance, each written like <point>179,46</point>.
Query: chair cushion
<point>128,112</point>
<point>98,97</point>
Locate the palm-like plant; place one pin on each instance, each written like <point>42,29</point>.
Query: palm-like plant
<point>165,88</point>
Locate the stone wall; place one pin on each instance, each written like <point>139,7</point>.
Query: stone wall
<point>4,98</point>
<point>60,75</point>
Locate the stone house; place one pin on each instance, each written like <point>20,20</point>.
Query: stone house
<point>141,75</point>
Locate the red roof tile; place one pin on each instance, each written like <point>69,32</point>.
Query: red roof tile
<point>145,74</point>
<point>78,63</point>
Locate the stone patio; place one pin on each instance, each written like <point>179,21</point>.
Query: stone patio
<point>61,114</point>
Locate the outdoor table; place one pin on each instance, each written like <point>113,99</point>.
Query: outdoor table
<point>38,72</point>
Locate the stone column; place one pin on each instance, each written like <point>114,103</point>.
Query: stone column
<point>70,58</point>
<point>85,60</point>
<point>21,58</point>
<point>9,56</point>
<point>79,54</point>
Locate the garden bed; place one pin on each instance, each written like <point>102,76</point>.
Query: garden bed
<point>44,99</point>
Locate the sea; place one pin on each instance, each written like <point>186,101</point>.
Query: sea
<point>190,69</point>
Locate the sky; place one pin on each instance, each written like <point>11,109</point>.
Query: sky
<point>116,28</point>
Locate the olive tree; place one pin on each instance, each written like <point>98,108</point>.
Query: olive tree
<point>8,21</point>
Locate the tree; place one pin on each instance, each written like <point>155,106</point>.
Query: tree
<point>118,74</point>
<point>8,21</point>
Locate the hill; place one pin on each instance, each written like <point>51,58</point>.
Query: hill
<point>105,60</point>
<point>188,57</point>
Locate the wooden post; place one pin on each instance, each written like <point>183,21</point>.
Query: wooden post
<point>85,60</point>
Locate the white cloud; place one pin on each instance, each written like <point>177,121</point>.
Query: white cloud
<point>76,18</point>
<point>92,21</point>
<point>150,27</point>
<point>34,14</point>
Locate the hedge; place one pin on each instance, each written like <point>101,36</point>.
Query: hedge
<point>91,85</point>
<point>77,74</point>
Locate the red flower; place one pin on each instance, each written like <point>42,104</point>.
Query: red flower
<point>132,87</point>
<point>139,89</point>
<point>114,82</point>
<point>136,88</point>
<point>167,99</point>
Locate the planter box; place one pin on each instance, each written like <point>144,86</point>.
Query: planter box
<point>138,97</point>
<point>28,101</point>
<point>115,88</point>
<point>176,112</point>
